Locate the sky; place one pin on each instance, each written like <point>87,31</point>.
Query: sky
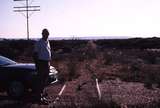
<point>63,18</point>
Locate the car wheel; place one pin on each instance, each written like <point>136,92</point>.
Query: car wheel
<point>15,89</point>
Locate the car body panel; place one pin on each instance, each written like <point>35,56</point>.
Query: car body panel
<point>22,66</point>
<point>24,72</point>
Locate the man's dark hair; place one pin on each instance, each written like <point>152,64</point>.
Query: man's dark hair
<point>45,32</point>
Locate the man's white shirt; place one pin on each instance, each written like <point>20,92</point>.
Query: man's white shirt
<point>43,49</point>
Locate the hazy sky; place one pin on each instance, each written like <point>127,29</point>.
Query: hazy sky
<point>136,18</point>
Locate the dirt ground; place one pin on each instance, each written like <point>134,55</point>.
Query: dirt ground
<point>81,91</point>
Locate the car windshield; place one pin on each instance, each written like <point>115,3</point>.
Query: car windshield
<point>6,61</point>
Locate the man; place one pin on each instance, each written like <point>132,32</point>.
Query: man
<point>42,58</point>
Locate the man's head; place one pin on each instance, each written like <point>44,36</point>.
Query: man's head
<point>45,34</point>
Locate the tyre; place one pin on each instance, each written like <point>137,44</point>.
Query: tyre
<point>16,89</point>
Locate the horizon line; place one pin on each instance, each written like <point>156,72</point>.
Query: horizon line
<point>80,38</point>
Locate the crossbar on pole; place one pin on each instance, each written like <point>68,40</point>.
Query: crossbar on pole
<point>26,7</point>
<point>26,10</point>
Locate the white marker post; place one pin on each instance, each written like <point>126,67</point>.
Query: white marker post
<point>57,98</point>
<point>98,89</point>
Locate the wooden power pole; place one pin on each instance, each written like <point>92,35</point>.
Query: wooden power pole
<point>27,8</point>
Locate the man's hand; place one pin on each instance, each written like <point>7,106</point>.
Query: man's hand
<point>49,64</point>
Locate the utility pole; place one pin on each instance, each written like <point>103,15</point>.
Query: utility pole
<point>27,8</point>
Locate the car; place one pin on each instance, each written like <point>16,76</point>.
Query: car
<point>18,78</point>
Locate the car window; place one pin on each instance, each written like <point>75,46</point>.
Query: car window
<point>6,61</point>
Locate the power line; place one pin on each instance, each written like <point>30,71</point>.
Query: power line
<point>27,8</point>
